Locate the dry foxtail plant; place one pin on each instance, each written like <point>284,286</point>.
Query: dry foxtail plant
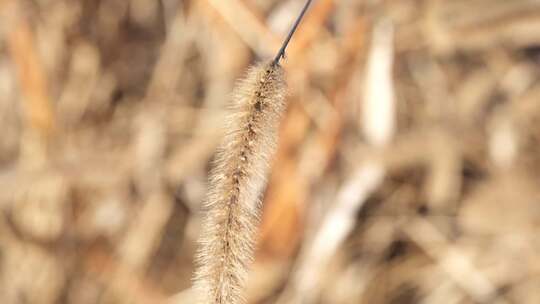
<point>238,177</point>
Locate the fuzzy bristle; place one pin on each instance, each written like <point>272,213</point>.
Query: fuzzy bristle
<point>237,180</point>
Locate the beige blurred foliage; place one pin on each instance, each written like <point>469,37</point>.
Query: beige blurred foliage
<point>407,169</point>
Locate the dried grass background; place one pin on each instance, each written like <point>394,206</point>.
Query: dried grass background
<point>111,111</point>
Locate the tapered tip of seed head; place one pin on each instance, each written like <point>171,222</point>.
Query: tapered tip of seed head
<point>277,60</point>
<point>274,72</point>
<point>273,66</point>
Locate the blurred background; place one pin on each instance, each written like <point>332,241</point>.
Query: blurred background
<point>407,170</point>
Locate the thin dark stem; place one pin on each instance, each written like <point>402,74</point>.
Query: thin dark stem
<point>281,53</point>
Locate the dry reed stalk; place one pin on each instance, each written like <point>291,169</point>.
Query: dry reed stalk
<point>238,177</point>
<point>39,114</point>
<point>453,261</point>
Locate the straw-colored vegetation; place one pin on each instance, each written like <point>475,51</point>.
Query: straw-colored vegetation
<point>407,168</point>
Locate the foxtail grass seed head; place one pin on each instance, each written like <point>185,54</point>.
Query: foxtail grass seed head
<point>238,177</point>
<point>239,174</point>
